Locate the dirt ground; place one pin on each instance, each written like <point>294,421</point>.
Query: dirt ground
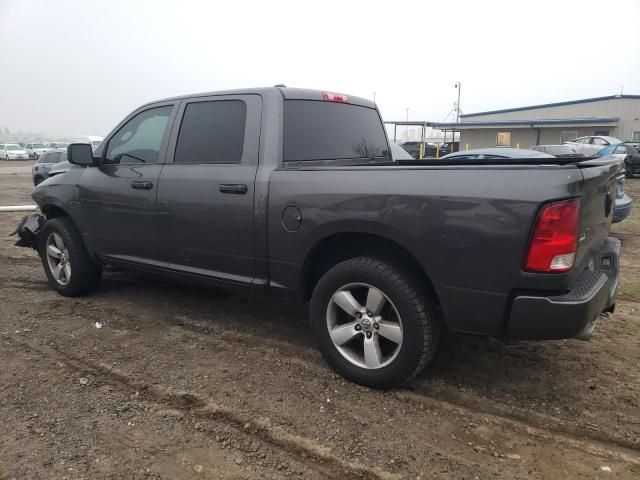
<point>181,382</point>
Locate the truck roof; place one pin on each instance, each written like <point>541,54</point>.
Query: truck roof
<point>286,92</point>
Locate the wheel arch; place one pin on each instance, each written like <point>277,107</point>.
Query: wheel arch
<point>338,247</point>
<point>53,211</point>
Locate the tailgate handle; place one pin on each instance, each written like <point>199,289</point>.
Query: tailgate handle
<point>141,184</point>
<point>235,188</point>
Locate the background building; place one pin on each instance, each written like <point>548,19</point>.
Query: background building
<point>553,123</point>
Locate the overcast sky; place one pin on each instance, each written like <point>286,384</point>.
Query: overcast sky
<point>77,67</point>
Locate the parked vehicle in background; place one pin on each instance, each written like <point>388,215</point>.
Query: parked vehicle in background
<point>495,153</point>
<point>388,252</point>
<point>630,154</point>
<point>592,144</point>
<point>623,202</point>
<point>13,151</point>
<point>93,140</point>
<point>36,149</point>
<point>399,153</point>
<point>559,151</point>
<point>413,149</point>
<point>446,148</point>
<point>40,171</point>
<point>59,168</point>
<point>58,145</point>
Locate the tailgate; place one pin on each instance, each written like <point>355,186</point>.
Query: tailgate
<point>596,205</point>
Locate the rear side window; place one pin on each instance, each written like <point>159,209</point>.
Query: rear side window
<point>315,130</point>
<point>212,132</point>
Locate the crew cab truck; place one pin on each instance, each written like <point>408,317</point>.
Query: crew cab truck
<point>292,192</point>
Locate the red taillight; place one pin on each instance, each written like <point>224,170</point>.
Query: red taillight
<point>334,97</point>
<point>555,238</point>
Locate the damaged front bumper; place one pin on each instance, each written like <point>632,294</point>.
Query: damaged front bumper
<point>29,230</point>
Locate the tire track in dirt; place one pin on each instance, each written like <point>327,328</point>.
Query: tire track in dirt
<point>545,427</point>
<point>309,452</point>
<point>548,425</point>
<point>561,436</point>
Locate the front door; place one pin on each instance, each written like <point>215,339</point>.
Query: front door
<point>118,199</point>
<point>206,193</point>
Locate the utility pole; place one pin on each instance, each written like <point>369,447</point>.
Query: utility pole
<point>458,85</point>
<point>407,126</point>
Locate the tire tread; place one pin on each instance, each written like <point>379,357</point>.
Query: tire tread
<point>421,302</point>
<point>86,276</point>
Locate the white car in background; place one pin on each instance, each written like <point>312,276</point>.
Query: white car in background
<point>36,149</point>
<point>58,145</point>
<point>13,151</point>
<point>93,140</point>
<point>592,144</point>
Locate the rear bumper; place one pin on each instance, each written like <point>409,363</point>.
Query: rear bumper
<point>572,315</point>
<point>622,208</point>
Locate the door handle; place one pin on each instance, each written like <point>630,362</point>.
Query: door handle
<point>235,188</point>
<point>142,184</point>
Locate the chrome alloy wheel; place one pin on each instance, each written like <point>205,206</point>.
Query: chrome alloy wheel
<point>364,325</point>
<point>58,258</point>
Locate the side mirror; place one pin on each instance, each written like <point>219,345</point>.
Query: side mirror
<point>80,154</point>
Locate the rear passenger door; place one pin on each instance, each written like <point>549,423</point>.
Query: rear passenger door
<point>206,189</point>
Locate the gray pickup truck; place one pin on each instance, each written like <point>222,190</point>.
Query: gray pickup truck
<point>293,193</point>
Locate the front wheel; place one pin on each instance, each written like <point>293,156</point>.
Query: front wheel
<point>373,322</point>
<point>68,265</point>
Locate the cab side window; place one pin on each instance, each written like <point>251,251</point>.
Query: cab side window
<point>212,132</point>
<point>139,140</point>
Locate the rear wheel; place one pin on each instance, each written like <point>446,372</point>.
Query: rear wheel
<point>68,266</point>
<point>628,169</point>
<point>372,324</point>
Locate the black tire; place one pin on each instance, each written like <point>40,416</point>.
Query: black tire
<point>628,169</point>
<point>85,273</point>
<point>414,305</point>
<point>37,180</point>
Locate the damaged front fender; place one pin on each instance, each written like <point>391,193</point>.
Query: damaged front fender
<point>29,230</point>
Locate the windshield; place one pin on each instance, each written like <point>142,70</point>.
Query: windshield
<point>62,145</point>
<point>37,145</point>
<point>51,157</point>
<point>14,147</point>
